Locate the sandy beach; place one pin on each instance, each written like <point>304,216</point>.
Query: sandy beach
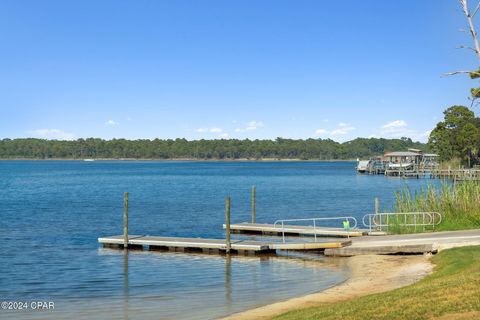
<point>368,274</point>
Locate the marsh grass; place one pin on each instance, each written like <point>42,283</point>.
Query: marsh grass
<point>459,204</point>
<point>398,224</point>
<point>452,164</point>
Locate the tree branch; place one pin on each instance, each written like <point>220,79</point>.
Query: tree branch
<point>473,33</point>
<point>473,102</point>
<point>476,9</point>
<point>477,73</point>
<point>466,47</point>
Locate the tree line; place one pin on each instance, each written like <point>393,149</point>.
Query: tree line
<point>457,136</point>
<point>224,149</point>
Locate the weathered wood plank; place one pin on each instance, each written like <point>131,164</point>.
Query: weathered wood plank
<point>207,245</point>
<point>295,230</point>
<point>309,245</point>
<point>186,242</point>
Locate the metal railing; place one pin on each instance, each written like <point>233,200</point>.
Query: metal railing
<point>407,219</point>
<point>315,225</point>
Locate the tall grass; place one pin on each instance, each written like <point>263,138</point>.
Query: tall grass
<point>453,163</point>
<point>458,203</point>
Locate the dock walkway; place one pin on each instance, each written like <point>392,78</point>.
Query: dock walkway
<point>392,244</point>
<point>213,245</point>
<point>265,228</point>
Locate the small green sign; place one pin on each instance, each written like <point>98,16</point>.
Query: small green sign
<point>346,224</point>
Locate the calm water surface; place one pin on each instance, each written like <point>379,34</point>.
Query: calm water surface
<point>52,213</point>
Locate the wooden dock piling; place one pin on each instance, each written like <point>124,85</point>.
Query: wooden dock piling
<point>254,190</point>
<point>125,220</point>
<point>227,224</point>
<point>175,244</point>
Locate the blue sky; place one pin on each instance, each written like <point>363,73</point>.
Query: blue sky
<point>236,69</point>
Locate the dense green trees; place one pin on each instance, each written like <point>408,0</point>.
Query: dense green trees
<point>457,136</point>
<point>315,149</point>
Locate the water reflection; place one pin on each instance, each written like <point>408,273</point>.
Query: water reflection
<point>125,284</point>
<point>158,284</point>
<point>228,284</point>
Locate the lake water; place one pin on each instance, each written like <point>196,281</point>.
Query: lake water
<point>52,212</point>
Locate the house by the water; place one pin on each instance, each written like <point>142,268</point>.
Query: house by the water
<point>395,162</point>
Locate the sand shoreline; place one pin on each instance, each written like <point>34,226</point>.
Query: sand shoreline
<point>368,274</point>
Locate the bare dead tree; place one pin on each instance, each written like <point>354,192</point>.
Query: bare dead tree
<point>470,15</point>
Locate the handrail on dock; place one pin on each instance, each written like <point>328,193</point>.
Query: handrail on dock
<point>380,220</point>
<point>314,220</point>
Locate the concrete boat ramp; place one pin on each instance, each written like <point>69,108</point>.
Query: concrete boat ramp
<point>415,243</point>
<point>215,245</point>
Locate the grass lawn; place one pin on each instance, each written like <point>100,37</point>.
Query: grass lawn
<point>454,287</point>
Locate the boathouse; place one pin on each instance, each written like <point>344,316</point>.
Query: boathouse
<point>414,156</point>
<point>403,157</point>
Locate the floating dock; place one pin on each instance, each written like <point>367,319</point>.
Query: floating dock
<point>213,245</point>
<point>295,230</point>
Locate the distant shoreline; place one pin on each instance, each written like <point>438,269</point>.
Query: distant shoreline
<point>202,150</point>
<point>179,159</point>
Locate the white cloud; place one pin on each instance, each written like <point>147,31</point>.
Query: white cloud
<point>111,123</point>
<point>395,125</point>
<point>321,131</point>
<point>250,126</point>
<point>399,129</point>
<point>342,129</point>
<point>211,130</point>
<point>254,125</point>
<point>223,136</point>
<point>424,135</point>
<point>52,134</point>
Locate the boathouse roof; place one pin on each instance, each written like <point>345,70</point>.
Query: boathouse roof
<point>402,154</point>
